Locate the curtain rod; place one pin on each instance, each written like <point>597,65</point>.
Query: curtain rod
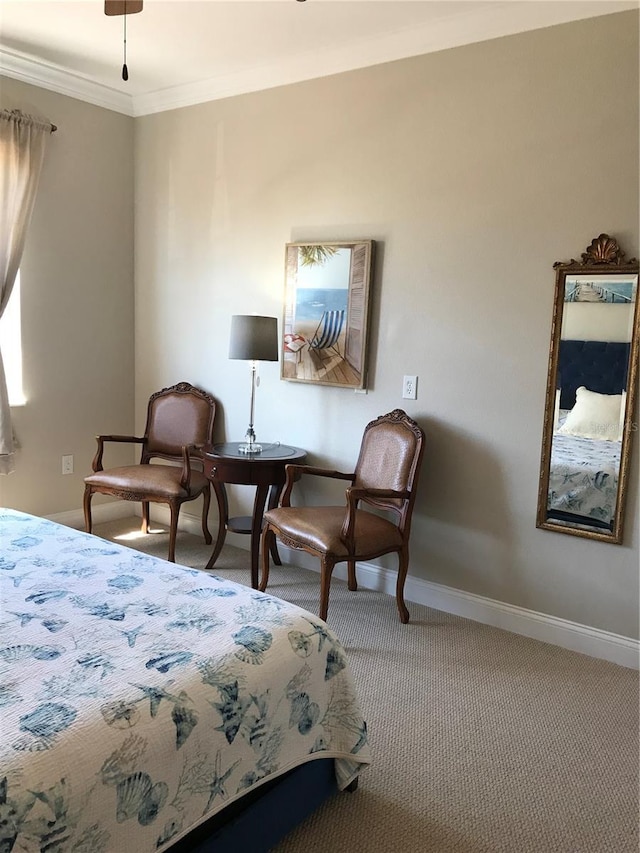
<point>22,115</point>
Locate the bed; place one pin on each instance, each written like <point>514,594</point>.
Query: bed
<point>583,477</point>
<point>143,704</point>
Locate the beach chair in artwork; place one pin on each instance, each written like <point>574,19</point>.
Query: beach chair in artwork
<point>328,332</point>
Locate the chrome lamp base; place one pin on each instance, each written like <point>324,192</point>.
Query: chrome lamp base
<point>251,448</point>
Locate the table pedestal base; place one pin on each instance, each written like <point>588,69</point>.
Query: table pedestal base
<point>266,471</point>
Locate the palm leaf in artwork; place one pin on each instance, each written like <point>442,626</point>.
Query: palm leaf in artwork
<point>315,254</point>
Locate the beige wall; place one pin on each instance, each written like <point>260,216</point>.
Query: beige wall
<point>77,301</point>
<point>474,169</point>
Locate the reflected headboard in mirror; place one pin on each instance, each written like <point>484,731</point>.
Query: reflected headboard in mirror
<point>601,366</point>
<point>591,386</point>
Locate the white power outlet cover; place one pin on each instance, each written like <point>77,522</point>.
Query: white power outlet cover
<point>410,388</point>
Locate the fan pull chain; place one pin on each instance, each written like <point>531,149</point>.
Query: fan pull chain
<point>125,70</point>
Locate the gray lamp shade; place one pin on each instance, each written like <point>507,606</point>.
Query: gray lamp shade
<point>253,338</point>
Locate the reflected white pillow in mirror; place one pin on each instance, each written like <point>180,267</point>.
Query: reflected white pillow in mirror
<point>623,409</point>
<point>556,414</point>
<point>594,416</point>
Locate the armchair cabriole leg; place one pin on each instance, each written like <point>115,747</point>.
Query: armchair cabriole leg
<point>88,494</point>
<point>173,529</point>
<point>145,517</point>
<point>326,570</point>
<point>274,497</point>
<point>403,566</point>
<point>352,580</point>
<point>273,548</point>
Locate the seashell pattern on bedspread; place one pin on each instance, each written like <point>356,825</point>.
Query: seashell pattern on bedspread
<point>583,476</point>
<point>138,697</point>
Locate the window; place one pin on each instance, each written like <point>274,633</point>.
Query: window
<point>11,346</point>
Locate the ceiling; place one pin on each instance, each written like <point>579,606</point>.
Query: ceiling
<point>182,52</point>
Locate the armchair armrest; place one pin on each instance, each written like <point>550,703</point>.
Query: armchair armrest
<point>295,472</point>
<point>96,465</point>
<point>189,450</point>
<point>353,497</point>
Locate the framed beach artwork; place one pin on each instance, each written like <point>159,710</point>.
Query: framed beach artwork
<point>326,312</point>
<point>614,291</point>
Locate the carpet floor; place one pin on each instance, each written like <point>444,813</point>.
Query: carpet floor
<point>482,741</point>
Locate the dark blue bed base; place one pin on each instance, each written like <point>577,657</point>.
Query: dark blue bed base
<point>600,366</point>
<point>257,822</point>
<point>575,518</point>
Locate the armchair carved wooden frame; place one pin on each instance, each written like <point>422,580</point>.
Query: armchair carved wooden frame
<point>179,423</point>
<point>385,478</point>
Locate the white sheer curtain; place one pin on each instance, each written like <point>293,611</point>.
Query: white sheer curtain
<point>22,145</point>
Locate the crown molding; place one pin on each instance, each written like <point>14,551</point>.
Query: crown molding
<point>55,78</point>
<point>504,19</point>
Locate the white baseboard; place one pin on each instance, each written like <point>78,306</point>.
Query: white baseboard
<point>100,514</point>
<point>113,510</point>
<point>594,642</point>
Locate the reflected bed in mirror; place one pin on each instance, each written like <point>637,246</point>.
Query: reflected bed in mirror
<point>591,384</point>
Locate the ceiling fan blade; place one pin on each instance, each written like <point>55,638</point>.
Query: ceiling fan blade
<point>122,7</point>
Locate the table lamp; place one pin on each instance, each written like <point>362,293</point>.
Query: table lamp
<point>253,339</point>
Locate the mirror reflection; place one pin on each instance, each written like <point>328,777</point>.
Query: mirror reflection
<point>590,393</point>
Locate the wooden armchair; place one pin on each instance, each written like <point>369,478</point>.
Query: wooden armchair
<point>179,422</point>
<point>385,478</point>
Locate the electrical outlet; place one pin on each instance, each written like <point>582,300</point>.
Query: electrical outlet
<point>67,464</point>
<point>410,388</point>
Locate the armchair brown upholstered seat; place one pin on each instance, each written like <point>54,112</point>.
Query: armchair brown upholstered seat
<point>385,478</point>
<point>179,421</point>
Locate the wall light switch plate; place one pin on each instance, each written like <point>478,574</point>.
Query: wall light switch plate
<point>410,388</point>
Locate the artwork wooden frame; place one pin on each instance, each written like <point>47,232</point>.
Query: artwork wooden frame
<point>326,312</point>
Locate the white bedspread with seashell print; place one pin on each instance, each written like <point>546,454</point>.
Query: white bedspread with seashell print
<point>139,697</point>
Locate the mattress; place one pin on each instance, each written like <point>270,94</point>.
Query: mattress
<point>138,697</point>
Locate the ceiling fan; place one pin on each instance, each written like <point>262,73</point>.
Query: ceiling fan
<point>123,7</point>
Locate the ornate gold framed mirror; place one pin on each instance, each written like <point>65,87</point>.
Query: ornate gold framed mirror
<point>590,400</point>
